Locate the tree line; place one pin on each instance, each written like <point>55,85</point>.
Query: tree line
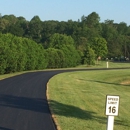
<point>20,54</point>
<point>36,44</point>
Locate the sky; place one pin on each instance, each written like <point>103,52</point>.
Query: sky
<point>64,10</point>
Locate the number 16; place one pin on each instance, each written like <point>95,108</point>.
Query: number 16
<point>112,109</point>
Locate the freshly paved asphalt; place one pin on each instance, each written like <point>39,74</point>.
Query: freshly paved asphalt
<point>23,103</point>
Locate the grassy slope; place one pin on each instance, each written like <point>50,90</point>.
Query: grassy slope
<point>103,64</point>
<point>78,99</point>
<point>79,112</point>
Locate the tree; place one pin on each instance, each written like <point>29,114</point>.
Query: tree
<point>11,18</point>
<point>99,45</point>
<point>110,33</point>
<point>3,24</point>
<point>61,56</point>
<point>4,48</point>
<point>64,37</point>
<point>35,29</point>
<point>61,27</point>
<point>41,60</point>
<point>89,56</point>
<point>48,29</point>
<point>83,18</point>
<point>82,43</point>
<point>92,21</point>
<point>122,28</point>
<point>52,58</point>
<point>72,56</point>
<point>58,40</point>
<point>31,51</point>
<point>93,25</point>
<point>15,29</point>
<point>21,53</point>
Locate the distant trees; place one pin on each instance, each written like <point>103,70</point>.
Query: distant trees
<point>59,40</point>
<point>99,45</point>
<point>64,49</point>
<point>37,44</point>
<point>117,36</point>
<point>89,56</point>
<point>35,29</point>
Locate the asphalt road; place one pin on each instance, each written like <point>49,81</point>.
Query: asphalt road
<point>23,103</point>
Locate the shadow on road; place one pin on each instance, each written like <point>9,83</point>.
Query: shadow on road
<point>41,105</point>
<point>2,128</point>
<point>32,104</point>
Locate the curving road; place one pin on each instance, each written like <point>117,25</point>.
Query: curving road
<point>23,103</point>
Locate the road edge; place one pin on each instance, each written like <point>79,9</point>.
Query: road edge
<point>51,111</point>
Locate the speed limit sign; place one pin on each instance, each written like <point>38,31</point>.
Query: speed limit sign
<point>112,105</point>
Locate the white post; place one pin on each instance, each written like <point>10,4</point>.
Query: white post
<point>107,64</point>
<point>110,123</point>
<point>112,105</point>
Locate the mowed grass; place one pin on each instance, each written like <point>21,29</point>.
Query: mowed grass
<point>4,76</point>
<point>77,99</point>
<point>103,64</point>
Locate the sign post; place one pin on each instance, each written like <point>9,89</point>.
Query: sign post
<point>112,105</point>
<point>107,64</point>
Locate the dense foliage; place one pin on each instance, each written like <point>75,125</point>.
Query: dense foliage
<point>18,54</point>
<point>36,44</point>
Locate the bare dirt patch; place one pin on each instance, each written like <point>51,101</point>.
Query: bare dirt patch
<point>126,82</point>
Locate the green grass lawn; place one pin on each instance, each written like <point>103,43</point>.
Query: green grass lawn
<point>4,76</point>
<point>77,99</point>
<point>103,64</point>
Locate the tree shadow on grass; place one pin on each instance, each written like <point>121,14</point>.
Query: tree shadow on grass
<point>41,105</point>
<point>105,82</point>
<point>76,112</point>
<point>70,111</point>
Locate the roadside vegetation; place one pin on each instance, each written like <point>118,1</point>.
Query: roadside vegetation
<point>102,64</point>
<point>35,44</point>
<point>77,99</point>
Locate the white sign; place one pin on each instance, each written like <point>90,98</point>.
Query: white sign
<point>112,105</point>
